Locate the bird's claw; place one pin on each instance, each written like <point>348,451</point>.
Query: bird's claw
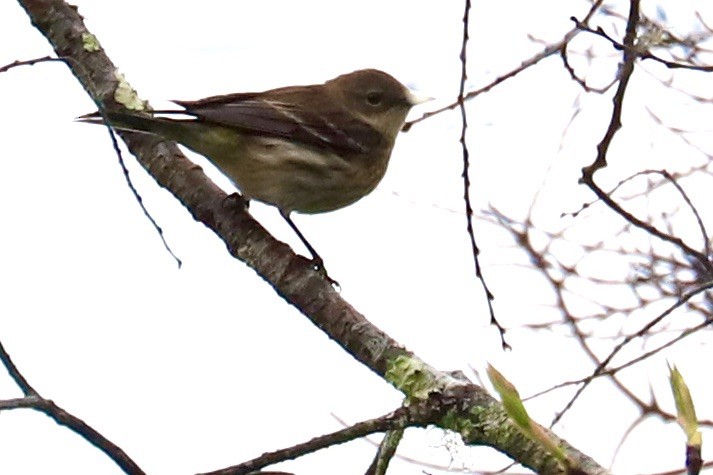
<point>317,264</point>
<point>236,200</point>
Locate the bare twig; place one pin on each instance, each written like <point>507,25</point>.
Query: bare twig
<point>33,400</point>
<point>30,62</point>
<point>125,171</point>
<point>524,65</point>
<point>386,451</point>
<point>635,51</point>
<point>396,420</point>
<point>466,179</point>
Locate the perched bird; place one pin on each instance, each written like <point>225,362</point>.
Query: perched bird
<point>309,149</point>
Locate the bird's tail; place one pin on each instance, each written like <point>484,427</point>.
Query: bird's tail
<point>166,128</point>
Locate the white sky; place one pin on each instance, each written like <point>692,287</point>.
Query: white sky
<point>191,370</point>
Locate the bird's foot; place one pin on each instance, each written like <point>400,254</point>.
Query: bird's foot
<point>236,201</point>
<point>318,264</point>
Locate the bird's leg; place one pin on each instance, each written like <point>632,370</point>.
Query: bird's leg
<point>317,262</point>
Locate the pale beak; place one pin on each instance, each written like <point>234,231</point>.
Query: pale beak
<point>415,99</point>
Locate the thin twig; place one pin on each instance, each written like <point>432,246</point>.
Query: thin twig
<point>466,179</point>
<point>638,52</point>
<point>601,370</point>
<point>398,419</point>
<point>135,192</point>
<point>15,374</point>
<point>386,451</point>
<point>524,65</point>
<point>125,171</point>
<point>29,62</point>
<point>33,400</point>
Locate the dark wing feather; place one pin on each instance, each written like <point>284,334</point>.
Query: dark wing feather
<point>295,114</point>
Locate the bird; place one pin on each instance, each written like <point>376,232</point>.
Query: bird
<point>307,149</point>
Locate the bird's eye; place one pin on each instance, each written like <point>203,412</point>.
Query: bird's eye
<point>374,98</point>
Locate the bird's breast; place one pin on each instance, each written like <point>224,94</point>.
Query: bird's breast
<point>295,177</point>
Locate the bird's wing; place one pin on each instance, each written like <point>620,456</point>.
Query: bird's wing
<point>310,122</point>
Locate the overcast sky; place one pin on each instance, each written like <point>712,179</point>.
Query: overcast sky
<point>194,369</point>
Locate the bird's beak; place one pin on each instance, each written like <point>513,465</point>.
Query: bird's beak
<point>415,99</point>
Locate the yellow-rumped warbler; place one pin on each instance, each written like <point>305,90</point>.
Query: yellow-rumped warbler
<point>309,149</point>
